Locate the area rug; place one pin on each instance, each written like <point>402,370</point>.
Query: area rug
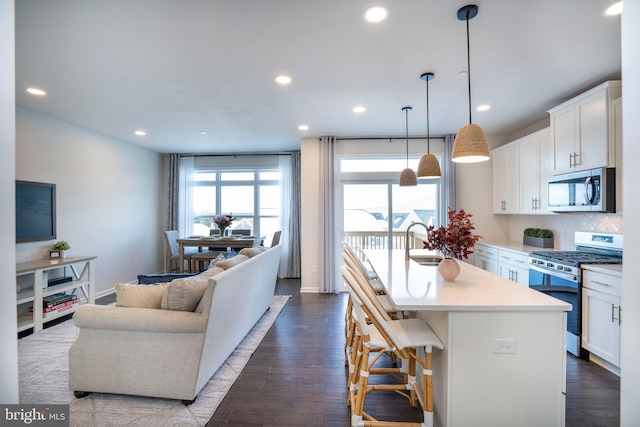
<point>43,368</point>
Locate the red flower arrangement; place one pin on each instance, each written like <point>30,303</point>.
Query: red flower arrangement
<point>456,240</point>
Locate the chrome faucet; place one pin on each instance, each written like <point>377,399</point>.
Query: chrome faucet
<point>406,241</point>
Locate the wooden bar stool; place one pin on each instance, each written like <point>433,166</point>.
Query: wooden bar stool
<point>403,337</point>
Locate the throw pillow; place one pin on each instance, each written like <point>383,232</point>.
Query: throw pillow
<point>185,294</point>
<point>251,252</point>
<point>228,263</point>
<point>151,279</point>
<point>141,296</point>
<point>214,261</point>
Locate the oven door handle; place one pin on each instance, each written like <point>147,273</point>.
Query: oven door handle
<point>560,274</point>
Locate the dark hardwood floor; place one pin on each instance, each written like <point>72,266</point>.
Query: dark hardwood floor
<point>297,376</point>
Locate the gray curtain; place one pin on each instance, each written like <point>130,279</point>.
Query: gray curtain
<point>449,179</point>
<point>294,259</point>
<point>174,185</point>
<point>329,268</point>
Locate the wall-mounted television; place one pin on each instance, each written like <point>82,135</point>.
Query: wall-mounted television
<point>35,211</point>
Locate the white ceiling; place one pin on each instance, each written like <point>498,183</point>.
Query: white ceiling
<point>174,68</point>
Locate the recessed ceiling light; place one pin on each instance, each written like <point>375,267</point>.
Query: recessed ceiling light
<point>36,91</point>
<point>376,14</point>
<point>283,80</point>
<point>140,133</point>
<point>359,109</point>
<point>203,132</point>
<point>484,107</point>
<point>614,9</point>
<point>303,127</point>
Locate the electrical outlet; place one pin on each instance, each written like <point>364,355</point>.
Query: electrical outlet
<point>504,345</point>
<point>314,268</point>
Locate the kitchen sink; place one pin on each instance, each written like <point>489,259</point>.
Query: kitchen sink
<point>426,259</point>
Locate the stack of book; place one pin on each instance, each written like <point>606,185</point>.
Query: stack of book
<point>56,304</point>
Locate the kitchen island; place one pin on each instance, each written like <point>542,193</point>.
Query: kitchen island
<point>504,361</point>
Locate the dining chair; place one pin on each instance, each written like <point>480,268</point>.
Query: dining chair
<point>241,231</point>
<point>276,238</point>
<point>403,337</point>
<point>173,252</point>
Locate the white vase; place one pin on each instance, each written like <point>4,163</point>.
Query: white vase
<point>63,254</point>
<point>449,269</point>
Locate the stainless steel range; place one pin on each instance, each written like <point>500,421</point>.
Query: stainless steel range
<point>558,273</point>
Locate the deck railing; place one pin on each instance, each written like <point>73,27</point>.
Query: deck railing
<point>362,240</point>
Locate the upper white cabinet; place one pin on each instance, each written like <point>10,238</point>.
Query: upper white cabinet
<point>583,130</point>
<point>520,172</point>
<point>506,179</point>
<point>536,165</point>
<point>617,126</point>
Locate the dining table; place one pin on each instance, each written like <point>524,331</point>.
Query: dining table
<point>217,243</point>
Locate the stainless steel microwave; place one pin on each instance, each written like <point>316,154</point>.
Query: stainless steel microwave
<point>592,190</point>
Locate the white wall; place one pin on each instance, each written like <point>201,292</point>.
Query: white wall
<point>630,344</point>
<point>8,319</point>
<point>310,240</point>
<point>108,196</point>
<point>565,225</point>
<point>475,195</point>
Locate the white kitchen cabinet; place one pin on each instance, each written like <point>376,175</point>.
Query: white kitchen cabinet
<point>582,130</point>
<point>514,266</point>
<point>536,166</point>
<point>601,315</point>
<point>486,257</point>
<point>617,127</point>
<point>506,179</point>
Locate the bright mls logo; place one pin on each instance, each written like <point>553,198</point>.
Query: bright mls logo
<point>35,415</point>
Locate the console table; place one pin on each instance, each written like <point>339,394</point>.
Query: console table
<point>82,270</point>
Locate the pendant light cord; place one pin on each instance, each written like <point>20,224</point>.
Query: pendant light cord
<point>468,67</point>
<point>428,132</point>
<point>406,124</point>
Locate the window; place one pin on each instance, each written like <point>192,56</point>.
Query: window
<point>253,196</point>
<point>376,210</point>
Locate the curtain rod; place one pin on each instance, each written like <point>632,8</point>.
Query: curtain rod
<point>388,138</point>
<point>283,153</point>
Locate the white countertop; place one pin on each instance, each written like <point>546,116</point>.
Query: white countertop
<point>516,246</point>
<point>412,286</point>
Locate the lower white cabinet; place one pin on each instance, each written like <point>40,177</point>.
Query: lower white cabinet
<point>601,315</point>
<point>514,266</point>
<point>487,258</point>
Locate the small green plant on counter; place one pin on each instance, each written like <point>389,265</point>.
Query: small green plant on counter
<point>538,232</point>
<point>61,245</point>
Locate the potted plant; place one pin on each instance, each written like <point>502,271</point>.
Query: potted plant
<point>538,237</point>
<point>61,246</point>
<point>453,241</point>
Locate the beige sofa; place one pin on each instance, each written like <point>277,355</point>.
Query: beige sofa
<point>170,353</point>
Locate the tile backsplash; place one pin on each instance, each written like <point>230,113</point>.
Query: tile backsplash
<point>565,225</point>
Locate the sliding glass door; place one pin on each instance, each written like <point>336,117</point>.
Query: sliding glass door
<point>376,210</point>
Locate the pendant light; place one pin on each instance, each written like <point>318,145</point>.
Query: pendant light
<point>408,176</point>
<point>470,145</point>
<point>428,166</point>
